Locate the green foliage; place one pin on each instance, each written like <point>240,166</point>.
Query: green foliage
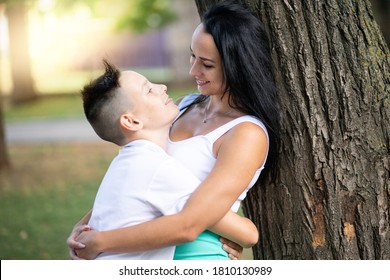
<point>12,2</point>
<point>137,15</point>
<point>140,15</point>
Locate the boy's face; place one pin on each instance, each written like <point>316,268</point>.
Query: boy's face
<point>150,102</point>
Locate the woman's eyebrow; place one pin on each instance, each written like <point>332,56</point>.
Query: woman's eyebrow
<point>203,58</point>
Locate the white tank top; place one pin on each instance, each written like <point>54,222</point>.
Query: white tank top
<point>196,153</point>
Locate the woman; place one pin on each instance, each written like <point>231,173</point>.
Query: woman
<point>224,136</point>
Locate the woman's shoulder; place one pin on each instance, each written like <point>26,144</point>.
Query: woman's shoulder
<point>250,127</point>
<point>251,119</point>
<point>245,132</point>
<point>245,122</point>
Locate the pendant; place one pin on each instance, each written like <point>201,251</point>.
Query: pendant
<point>204,121</point>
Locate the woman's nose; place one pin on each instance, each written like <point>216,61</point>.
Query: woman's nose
<point>193,70</point>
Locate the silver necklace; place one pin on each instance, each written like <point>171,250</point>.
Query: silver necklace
<point>205,119</point>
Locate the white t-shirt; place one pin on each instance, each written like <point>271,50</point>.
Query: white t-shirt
<point>142,183</point>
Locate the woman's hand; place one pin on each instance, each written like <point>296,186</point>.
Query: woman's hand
<point>233,249</point>
<point>73,244</point>
<point>88,238</point>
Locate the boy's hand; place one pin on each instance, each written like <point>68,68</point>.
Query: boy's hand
<point>72,243</point>
<point>233,249</point>
<point>87,238</point>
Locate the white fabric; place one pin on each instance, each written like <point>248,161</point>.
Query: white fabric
<point>142,183</point>
<point>196,153</point>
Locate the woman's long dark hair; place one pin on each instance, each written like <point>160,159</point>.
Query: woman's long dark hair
<point>246,61</point>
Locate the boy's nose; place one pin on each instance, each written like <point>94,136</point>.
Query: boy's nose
<point>164,89</point>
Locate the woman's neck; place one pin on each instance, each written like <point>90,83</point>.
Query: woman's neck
<point>215,104</point>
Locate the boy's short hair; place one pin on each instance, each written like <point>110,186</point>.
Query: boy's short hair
<point>101,102</point>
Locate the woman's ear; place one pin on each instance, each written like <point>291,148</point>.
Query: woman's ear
<point>130,122</point>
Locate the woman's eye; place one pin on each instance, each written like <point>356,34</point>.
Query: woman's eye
<point>208,66</point>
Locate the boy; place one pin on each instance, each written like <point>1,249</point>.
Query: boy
<point>143,182</point>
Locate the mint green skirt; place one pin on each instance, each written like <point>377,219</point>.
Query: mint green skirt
<point>206,247</point>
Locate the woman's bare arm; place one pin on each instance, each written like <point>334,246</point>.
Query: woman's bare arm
<point>238,229</point>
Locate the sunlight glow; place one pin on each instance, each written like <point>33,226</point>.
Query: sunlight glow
<point>58,44</point>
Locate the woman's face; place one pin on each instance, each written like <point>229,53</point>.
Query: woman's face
<point>206,65</point>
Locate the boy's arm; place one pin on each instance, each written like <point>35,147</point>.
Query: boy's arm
<point>238,229</point>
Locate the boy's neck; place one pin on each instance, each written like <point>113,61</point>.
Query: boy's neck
<point>159,137</point>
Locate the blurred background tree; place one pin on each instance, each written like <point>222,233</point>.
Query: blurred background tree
<point>23,85</point>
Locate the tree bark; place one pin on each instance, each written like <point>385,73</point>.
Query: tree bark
<point>381,9</point>
<point>23,85</point>
<point>332,196</point>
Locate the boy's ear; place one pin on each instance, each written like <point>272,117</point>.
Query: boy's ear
<point>130,122</point>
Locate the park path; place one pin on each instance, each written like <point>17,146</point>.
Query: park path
<point>43,130</point>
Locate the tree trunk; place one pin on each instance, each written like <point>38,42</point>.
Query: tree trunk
<point>332,196</point>
<point>381,9</point>
<point>4,159</point>
<point>23,86</point>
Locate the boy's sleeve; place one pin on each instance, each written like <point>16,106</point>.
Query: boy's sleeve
<point>171,187</point>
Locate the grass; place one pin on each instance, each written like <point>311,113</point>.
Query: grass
<point>61,106</point>
<point>49,186</point>
<point>40,203</point>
